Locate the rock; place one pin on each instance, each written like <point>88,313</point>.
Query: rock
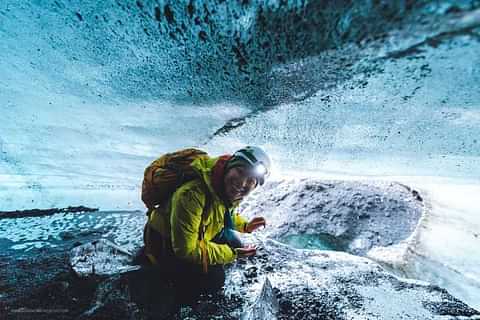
<point>265,307</point>
<point>44,212</point>
<point>251,272</point>
<point>66,235</point>
<point>100,258</point>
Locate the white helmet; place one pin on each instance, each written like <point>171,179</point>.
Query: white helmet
<point>258,159</point>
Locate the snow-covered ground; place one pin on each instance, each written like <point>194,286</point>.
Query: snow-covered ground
<point>68,138</point>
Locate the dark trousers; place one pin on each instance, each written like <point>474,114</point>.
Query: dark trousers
<point>188,279</point>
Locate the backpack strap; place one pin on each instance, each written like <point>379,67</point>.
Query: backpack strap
<point>180,174</point>
<point>203,226</point>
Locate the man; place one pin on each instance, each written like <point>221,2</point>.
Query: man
<point>193,236</point>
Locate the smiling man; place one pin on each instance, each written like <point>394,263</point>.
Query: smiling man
<point>194,234</point>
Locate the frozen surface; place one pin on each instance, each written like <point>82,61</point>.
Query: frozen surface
<point>90,93</point>
<point>25,234</point>
<point>351,216</point>
<point>331,284</point>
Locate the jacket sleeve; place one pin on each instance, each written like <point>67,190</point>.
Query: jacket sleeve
<point>240,222</point>
<point>185,219</point>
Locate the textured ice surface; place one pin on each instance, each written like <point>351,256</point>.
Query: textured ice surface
<point>266,305</point>
<point>416,122</point>
<point>311,241</point>
<point>338,286</point>
<point>354,217</point>
<point>407,120</point>
<point>306,282</point>
<point>285,282</point>
<point>90,93</point>
<point>124,228</point>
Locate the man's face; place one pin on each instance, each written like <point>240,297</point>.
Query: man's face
<point>238,182</point>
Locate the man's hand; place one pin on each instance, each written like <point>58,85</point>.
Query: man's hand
<point>247,251</point>
<point>254,224</point>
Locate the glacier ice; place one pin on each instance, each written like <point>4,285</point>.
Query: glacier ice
<point>90,93</point>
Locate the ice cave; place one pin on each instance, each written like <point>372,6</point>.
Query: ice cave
<point>369,111</point>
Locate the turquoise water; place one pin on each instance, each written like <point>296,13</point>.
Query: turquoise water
<point>312,241</point>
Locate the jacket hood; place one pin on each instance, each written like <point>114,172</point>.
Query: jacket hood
<point>204,166</point>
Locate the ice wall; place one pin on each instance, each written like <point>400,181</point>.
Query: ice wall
<point>178,50</point>
<point>91,92</point>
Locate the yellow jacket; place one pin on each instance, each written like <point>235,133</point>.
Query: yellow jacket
<point>180,220</point>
